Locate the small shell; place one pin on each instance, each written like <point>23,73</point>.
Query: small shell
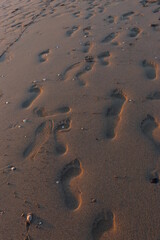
<point>29,218</point>
<point>13,168</point>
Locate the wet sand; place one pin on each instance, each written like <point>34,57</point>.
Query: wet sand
<point>80,120</point>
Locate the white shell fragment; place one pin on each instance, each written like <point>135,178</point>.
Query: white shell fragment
<point>29,218</point>
<point>13,168</point>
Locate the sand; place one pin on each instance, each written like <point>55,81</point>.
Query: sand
<point>80,120</point>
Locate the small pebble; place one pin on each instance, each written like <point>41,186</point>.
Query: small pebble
<point>6,102</point>
<point>93,200</point>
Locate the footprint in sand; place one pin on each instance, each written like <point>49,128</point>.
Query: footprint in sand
<point>127,15</point>
<point>134,32</point>
<point>154,96</point>
<point>88,66</point>
<point>103,223</point>
<point>150,69</point>
<point>42,112</point>
<point>70,32</point>
<point>86,47</point>
<point>103,58</point>
<point>43,56</point>
<point>110,19</point>
<point>77,14</point>
<point>87,31</point>
<point>110,37</point>
<point>64,75</point>
<point>156,10</point>
<point>61,127</point>
<point>72,196</point>
<point>35,91</point>
<point>42,135</point>
<point>114,112</point>
<point>150,128</point>
<point>146,3</point>
<point>89,15</point>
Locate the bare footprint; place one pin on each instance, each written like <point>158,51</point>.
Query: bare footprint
<point>134,32</point>
<point>103,58</point>
<point>72,197</point>
<point>104,222</point>
<point>114,111</point>
<point>43,56</point>
<point>89,15</point>
<point>110,19</point>
<point>88,66</point>
<point>35,91</point>
<point>68,70</point>
<point>77,14</point>
<point>156,10</point>
<point>154,96</point>
<point>149,126</point>
<point>62,126</point>
<point>127,15</point>
<point>70,32</point>
<point>110,37</point>
<point>42,112</point>
<point>86,46</point>
<point>42,135</point>
<point>150,69</point>
<point>87,31</point>
<point>146,3</point>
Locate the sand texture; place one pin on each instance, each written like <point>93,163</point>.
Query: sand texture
<point>80,120</point>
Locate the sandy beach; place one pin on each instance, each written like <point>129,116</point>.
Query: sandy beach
<point>80,120</point>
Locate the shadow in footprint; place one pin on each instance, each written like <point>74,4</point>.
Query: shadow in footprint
<point>102,223</point>
<point>103,58</point>
<point>42,57</point>
<point>134,32</point>
<point>35,91</point>
<point>71,31</point>
<point>42,112</point>
<point>87,67</point>
<point>148,126</point>
<point>70,171</point>
<point>127,15</point>
<point>150,69</point>
<point>110,19</point>
<point>62,126</point>
<point>109,38</point>
<point>42,135</point>
<point>68,70</point>
<point>113,112</point>
<point>154,96</point>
